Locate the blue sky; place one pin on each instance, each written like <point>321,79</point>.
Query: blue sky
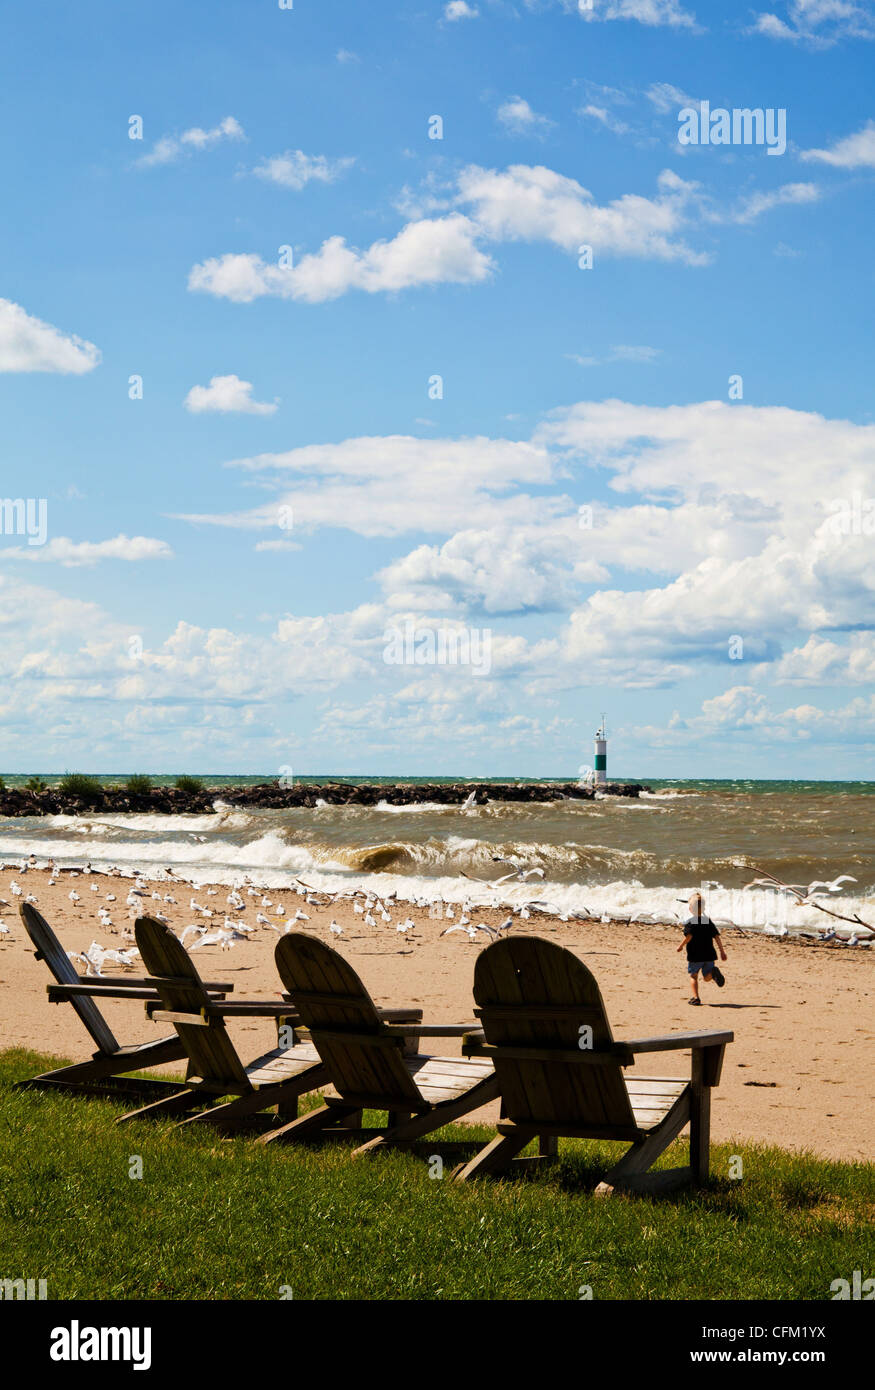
<point>260,634</point>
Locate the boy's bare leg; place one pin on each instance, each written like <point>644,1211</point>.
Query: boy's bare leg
<point>694,985</point>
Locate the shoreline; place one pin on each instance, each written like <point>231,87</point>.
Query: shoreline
<point>16,802</point>
<point>793,1076</point>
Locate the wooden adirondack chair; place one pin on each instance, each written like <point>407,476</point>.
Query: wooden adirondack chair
<point>372,1061</point>
<point>103,1074</point>
<point>214,1066</point>
<point>561,1072</point>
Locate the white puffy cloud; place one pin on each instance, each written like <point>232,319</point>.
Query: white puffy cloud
<point>171,147</point>
<point>63,551</point>
<point>227,395</point>
<point>427,252</point>
<point>855,151</point>
<point>295,169</point>
<point>393,485</point>
<point>821,661</point>
<point>665,97</point>
<point>534,203</point>
<point>604,117</point>
<point>817,23</point>
<point>756,204</point>
<point>652,13</point>
<point>517,116</point>
<point>521,203</point>
<point>27,344</point>
<point>459,9</point>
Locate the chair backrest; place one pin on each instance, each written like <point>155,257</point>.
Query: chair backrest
<point>332,1001</point>
<point>532,993</point>
<point>211,1054</point>
<point>49,949</point>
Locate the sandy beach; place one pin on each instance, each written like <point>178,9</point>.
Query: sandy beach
<point>802,1012</point>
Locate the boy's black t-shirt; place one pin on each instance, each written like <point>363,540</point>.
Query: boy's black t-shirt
<point>701,931</point>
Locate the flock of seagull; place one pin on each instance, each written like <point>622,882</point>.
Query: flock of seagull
<point>224,926</point>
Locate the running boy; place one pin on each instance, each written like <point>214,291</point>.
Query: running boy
<point>700,936</point>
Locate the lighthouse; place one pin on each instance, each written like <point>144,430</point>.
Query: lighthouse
<point>600,765</point>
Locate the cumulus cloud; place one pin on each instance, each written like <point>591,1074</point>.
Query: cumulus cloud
<point>172,147</point>
<point>756,204</point>
<point>61,550</point>
<point>604,117</point>
<point>816,23</point>
<point>27,344</point>
<point>521,203</point>
<point>459,9</point>
<point>226,395</point>
<point>428,252</point>
<point>652,13</point>
<point>393,485</point>
<point>534,203</point>
<point>517,116</point>
<point>294,169</point>
<point>853,152</point>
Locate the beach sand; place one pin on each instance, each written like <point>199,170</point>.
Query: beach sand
<point>798,1074</point>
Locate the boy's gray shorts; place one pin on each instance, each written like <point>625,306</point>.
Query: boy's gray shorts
<point>706,966</point>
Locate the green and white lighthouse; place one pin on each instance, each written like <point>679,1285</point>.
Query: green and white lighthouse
<point>600,766</point>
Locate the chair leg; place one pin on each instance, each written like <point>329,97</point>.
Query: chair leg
<point>169,1105</point>
<point>700,1121</point>
<point>644,1152</point>
<point>429,1120</point>
<point>314,1122</point>
<point>548,1145</point>
<point>496,1155</point>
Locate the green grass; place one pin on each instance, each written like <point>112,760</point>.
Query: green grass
<point>79,785</point>
<point>226,1219</point>
<point>139,784</point>
<point>188,784</point>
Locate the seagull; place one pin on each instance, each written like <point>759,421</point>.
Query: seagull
<point>73,895</point>
<point>262,920</point>
<point>370,920</point>
<point>195,927</point>
<point>14,888</point>
<point>832,887</point>
<point>224,939</point>
<point>469,802</point>
<point>335,929</point>
<point>300,916</point>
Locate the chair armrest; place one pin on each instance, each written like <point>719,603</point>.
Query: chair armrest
<point>404,1015</point>
<point>238,1008</point>
<point>428,1030</point>
<point>135,982</point>
<point>615,1055</point>
<point>671,1041</point>
<point>253,1008</point>
<point>108,990</point>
